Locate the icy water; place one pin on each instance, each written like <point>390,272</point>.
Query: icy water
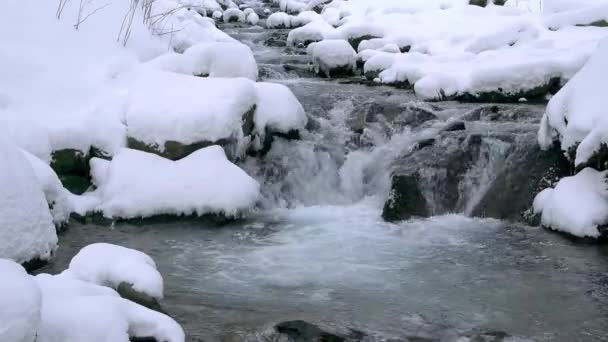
<point>318,250</point>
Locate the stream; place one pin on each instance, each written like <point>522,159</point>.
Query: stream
<point>318,250</point>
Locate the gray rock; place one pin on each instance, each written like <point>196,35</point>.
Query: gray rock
<point>126,291</point>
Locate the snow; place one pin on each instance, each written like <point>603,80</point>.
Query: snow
<point>58,198</point>
<point>110,265</point>
<point>20,300</point>
<point>253,18</point>
<point>577,113</point>
<point>234,14</point>
<point>329,55</point>
<point>214,59</point>
<point>577,205</point>
<point>278,20</point>
<point>312,32</point>
<point>461,50</point>
<point>26,225</point>
<point>278,109</point>
<point>75,307</point>
<point>139,184</point>
<point>165,106</point>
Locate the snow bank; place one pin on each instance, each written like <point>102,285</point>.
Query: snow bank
<point>20,302</point>
<point>110,265</point>
<point>27,231</point>
<point>577,205</point>
<point>215,59</point>
<point>278,109</point>
<point>333,56</point>
<point>577,113</point>
<point>139,184</point>
<point>493,53</point>
<point>165,106</point>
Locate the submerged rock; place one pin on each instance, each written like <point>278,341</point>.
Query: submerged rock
<point>302,331</point>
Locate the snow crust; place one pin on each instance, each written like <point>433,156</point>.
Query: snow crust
<point>140,184</point>
<point>577,205</point>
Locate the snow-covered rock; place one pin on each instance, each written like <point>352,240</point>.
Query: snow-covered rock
<point>172,114</point>
<point>111,265</point>
<point>103,319</point>
<point>234,15</point>
<point>76,307</point>
<point>253,18</point>
<point>214,59</point>
<point>578,205</point>
<point>278,109</point>
<point>312,32</point>
<point>278,20</point>
<point>138,184</point>
<point>59,199</point>
<point>333,58</point>
<point>27,231</point>
<point>20,302</point>
<point>578,113</point>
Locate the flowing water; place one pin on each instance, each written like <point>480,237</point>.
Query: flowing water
<point>318,249</point>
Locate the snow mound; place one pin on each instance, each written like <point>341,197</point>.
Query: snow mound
<point>278,109</point>
<point>27,231</point>
<point>234,14</point>
<point>312,32</point>
<point>76,308</point>
<point>578,112</point>
<point>577,205</point>
<point>110,265</point>
<point>20,302</point>
<point>215,59</point>
<point>329,56</point>
<point>103,319</point>
<point>138,184</point>
<point>165,106</point>
<point>278,20</point>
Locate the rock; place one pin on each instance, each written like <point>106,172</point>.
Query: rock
<point>500,96</point>
<point>526,172</point>
<point>454,126</point>
<point>505,113</point>
<point>72,167</point>
<point>444,175</point>
<point>175,150</point>
<point>405,200</point>
<point>126,291</point>
<point>302,331</point>
<point>333,58</point>
<point>355,41</point>
<point>269,138</point>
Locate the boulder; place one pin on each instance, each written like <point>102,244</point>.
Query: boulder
<point>444,174</point>
<point>527,171</point>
